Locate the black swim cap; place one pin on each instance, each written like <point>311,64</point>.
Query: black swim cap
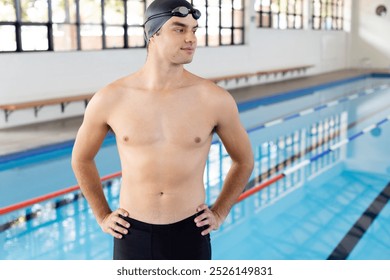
<point>162,10</point>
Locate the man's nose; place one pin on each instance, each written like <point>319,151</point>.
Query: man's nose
<point>190,37</point>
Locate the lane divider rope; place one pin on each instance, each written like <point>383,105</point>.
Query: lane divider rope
<point>306,162</point>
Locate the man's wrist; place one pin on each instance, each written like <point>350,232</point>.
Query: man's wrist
<point>103,218</point>
<point>219,216</point>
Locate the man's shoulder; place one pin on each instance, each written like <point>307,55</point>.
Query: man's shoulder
<point>216,96</point>
<point>113,90</point>
<point>209,87</point>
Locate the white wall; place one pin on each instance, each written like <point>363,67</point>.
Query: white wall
<point>33,76</point>
<point>370,35</point>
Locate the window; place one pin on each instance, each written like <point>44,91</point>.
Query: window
<point>279,14</point>
<point>328,14</point>
<point>71,25</point>
<point>135,20</point>
<point>33,28</point>
<point>64,16</point>
<point>221,23</point>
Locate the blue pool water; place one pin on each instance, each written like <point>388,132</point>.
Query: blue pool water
<point>304,215</point>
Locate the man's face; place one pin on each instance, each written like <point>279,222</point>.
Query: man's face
<point>176,40</point>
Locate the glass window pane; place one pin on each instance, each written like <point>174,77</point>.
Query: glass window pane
<point>91,37</point>
<point>226,4</point>
<point>266,5</point>
<point>64,11</point>
<point>226,17</point>
<point>334,23</point>
<point>202,19</point>
<point>340,24</point>
<point>298,22</point>
<point>65,37</point>
<point>34,10</point>
<point>275,21</point>
<point>238,18</point>
<point>135,12</point>
<point>328,23</point>
<point>8,38</point>
<point>238,36</point>
<point>7,10</point>
<point>283,6</point>
<point>226,36</point>
<point>90,11</point>
<point>291,20</point>
<point>316,23</point>
<point>34,38</point>
<point>213,3</point>
<point>323,10</point>
<point>298,7</point>
<point>265,20</point>
<point>114,12</point>
<point>136,36</point>
<point>201,36</point>
<point>329,9</point>
<point>115,37</point>
<point>199,3</point>
<point>316,8</point>
<point>340,9</point>
<point>257,5</point>
<point>334,9</point>
<point>238,4</point>
<point>213,17</point>
<point>291,7</point>
<point>282,21</point>
<point>275,6</point>
<point>213,36</point>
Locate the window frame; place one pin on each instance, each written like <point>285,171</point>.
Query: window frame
<point>235,39</point>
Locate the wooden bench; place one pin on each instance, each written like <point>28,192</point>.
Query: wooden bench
<point>237,77</point>
<point>39,104</point>
<point>258,74</point>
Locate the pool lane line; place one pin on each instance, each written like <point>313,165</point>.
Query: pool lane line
<point>56,204</point>
<point>306,162</point>
<point>48,196</point>
<point>291,159</point>
<point>284,96</point>
<point>352,95</point>
<point>355,94</point>
<point>354,235</point>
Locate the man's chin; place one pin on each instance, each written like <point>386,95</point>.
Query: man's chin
<point>187,61</point>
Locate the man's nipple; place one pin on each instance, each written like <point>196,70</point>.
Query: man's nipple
<point>197,139</point>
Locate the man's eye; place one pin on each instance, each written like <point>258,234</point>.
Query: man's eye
<point>179,30</point>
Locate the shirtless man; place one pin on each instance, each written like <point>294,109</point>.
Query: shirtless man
<point>163,118</point>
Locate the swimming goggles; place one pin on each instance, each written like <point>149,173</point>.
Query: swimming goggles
<point>181,11</point>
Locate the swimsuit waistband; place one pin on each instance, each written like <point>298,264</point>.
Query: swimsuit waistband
<point>176,225</point>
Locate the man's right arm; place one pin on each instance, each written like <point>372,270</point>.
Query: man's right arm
<point>88,142</point>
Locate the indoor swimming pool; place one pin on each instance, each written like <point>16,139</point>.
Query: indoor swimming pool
<point>319,189</point>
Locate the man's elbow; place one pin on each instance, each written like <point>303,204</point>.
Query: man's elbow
<point>250,164</point>
<point>77,162</point>
<point>246,163</point>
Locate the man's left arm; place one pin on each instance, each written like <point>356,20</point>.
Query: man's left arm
<point>236,141</point>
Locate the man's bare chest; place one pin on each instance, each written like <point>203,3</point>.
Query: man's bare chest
<point>182,124</point>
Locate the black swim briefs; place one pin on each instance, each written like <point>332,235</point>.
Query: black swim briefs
<point>181,240</point>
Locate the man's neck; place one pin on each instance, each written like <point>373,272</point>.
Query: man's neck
<point>162,76</point>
